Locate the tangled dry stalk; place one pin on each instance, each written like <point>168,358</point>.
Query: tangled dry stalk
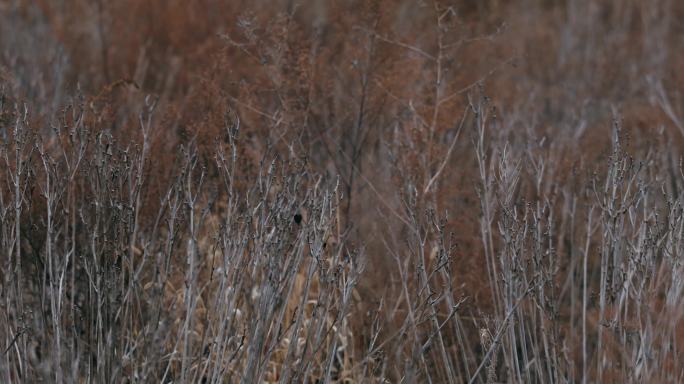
<point>439,192</point>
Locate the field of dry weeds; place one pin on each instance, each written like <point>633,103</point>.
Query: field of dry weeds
<point>224,191</point>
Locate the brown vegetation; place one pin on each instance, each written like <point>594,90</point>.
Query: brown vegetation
<point>341,191</point>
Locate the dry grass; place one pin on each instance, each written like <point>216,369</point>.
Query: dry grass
<point>233,191</point>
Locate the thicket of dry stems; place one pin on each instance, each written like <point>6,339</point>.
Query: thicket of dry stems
<point>377,192</point>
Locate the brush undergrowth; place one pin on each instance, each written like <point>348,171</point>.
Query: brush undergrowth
<point>341,192</point>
